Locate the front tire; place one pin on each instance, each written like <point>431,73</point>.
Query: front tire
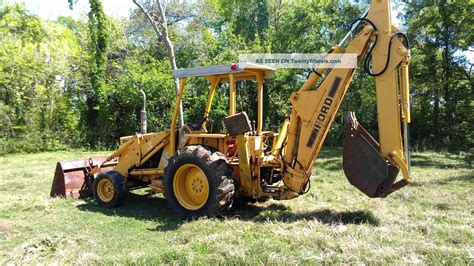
<point>198,182</point>
<point>110,189</point>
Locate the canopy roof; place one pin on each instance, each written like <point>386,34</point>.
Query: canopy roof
<point>242,71</point>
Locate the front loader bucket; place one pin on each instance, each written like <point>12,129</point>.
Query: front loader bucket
<point>363,165</point>
<point>70,177</point>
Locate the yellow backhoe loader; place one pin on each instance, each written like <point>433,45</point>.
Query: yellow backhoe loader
<point>201,173</point>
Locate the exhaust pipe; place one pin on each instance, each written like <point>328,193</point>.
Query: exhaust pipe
<point>143,115</point>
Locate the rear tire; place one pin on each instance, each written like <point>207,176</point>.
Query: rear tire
<point>110,189</point>
<point>198,182</point>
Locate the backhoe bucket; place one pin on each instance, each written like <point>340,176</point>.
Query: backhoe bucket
<point>70,177</point>
<point>363,165</point>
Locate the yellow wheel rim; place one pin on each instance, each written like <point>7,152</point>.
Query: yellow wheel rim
<point>105,189</point>
<point>191,187</point>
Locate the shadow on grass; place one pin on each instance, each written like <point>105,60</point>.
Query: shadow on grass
<point>141,207</point>
<point>425,160</point>
<point>468,179</point>
<point>150,208</point>
<point>280,213</point>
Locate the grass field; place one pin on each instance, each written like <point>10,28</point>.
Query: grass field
<point>431,221</point>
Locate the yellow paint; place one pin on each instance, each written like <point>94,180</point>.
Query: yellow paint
<point>190,184</point>
<point>207,135</point>
<point>403,167</point>
<point>232,94</point>
<point>148,171</point>
<point>313,77</point>
<point>136,151</point>
<point>281,137</point>
<point>153,151</point>
<point>307,106</point>
<point>314,110</point>
<point>105,190</point>
<point>245,175</point>
<point>255,144</point>
<point>387,84</point>
<point>172,146</point>
<point>259,102</point>
<point>295,178</point>
<point>214,82</point>
<point>405,90</point>
<point>191,187</point>
<point>292,136</point>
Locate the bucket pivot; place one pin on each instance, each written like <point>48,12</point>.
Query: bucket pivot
<point>363,165</point>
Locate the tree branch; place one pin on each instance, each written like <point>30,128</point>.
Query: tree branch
<point>162,33</point>
<point>162,14</point>
<point>152,22</point>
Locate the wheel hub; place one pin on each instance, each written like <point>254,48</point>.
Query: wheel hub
<point>191,187</point>
<point>105,189</point>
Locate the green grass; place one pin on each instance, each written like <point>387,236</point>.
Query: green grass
<point>430,221</point>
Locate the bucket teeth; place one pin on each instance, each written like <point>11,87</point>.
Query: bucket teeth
<point>363,165</point>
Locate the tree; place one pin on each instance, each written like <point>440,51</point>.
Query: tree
<point>60,80</point>
<point>160,26</point>
<point>98,44</point>
<point>441,81</point>
<point>36,63</point>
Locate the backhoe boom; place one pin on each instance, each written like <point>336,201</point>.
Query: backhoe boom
<point>309,123</point>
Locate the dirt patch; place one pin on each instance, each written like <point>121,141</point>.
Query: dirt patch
<point>458,240</point>
<point>5,227</point>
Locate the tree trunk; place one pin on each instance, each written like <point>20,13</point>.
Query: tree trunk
<point>436,96</point>
<point>446,67</point>
<point>171,54</point>
<point>161,29</point>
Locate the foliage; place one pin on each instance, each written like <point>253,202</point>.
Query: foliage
<point>36,68</point>
<point>98,44</point>
<point>120,112</point>
<point>443,87</point>
<point>98,48</point>
<point>69,83</point>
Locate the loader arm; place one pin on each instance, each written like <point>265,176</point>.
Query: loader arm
<point>370,166</point>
